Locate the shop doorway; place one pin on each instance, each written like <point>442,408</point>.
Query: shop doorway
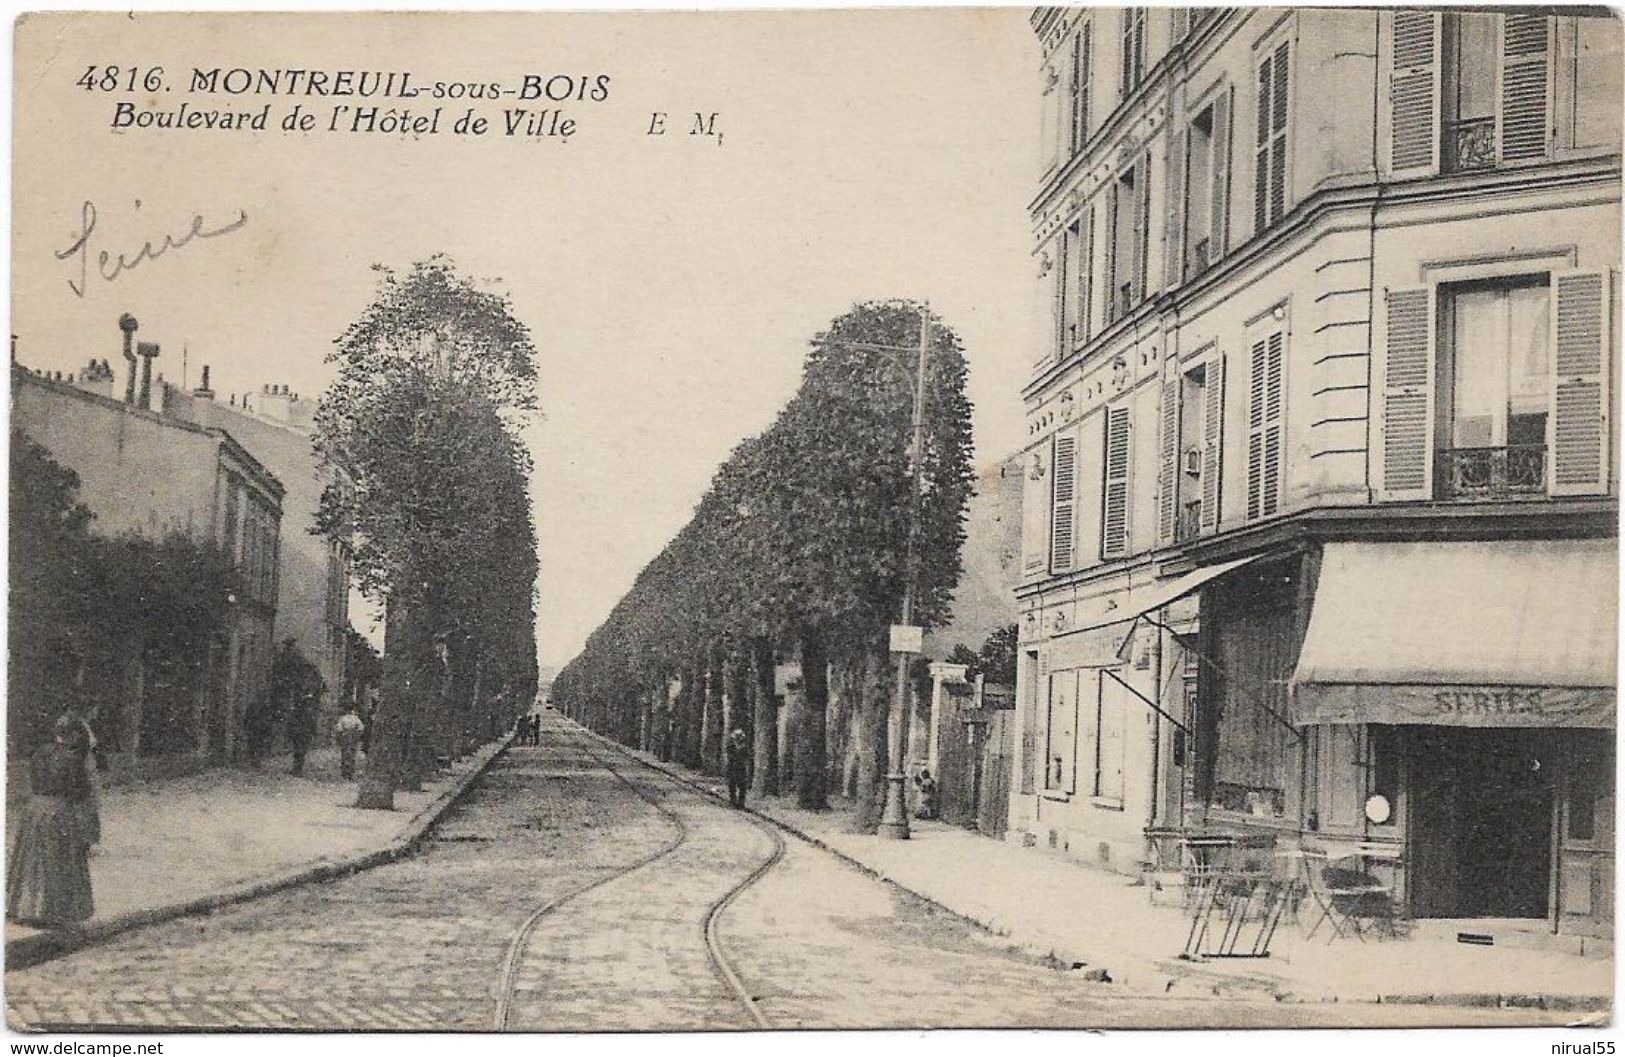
<point>1480,836</point>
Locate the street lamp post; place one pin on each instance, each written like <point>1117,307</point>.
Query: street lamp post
<point>894,813</point>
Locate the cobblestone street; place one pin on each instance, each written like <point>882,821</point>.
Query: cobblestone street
<point>624,864</point>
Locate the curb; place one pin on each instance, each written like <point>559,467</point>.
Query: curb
<point>45,946</point>
<point>1170,973</point>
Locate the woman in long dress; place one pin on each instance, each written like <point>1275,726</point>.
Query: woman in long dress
<point>89,809</point>
<point>48,870</point>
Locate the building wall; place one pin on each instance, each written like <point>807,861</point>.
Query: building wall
<point>149,474</point>
<point>1355,220</point>
<point>312,600</point>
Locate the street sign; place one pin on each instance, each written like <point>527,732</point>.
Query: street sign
<point>907,638</point>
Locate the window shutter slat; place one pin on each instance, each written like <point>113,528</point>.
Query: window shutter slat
<point>1212,443</point>
<point>1407,396</point>
<point>1065,494</point>
<point>1413,148</point>
<point>1525,82</point>
<point>1114,506</point>
<point>1220,206</point>
<point>1173,253</point>
<point>1168,468</point>
<point>1579,427</point>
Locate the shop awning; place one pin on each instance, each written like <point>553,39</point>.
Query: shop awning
<point>1480,634</point>
<point>1153,596</point>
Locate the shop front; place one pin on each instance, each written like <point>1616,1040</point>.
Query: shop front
<point>1474,685</point>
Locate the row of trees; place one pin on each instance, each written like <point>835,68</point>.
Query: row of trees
<point>435,381</point>
<point>800,548</point>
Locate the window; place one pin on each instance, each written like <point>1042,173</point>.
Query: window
<point>1473,90</point>
<point>1114,526</point>
<point>1060,769</point>
<point>1497,388</point>
<point>1264,424</point>
<point>1128,214</point>
<point>1494,390</point>
<point>1076,280</point>
<point>1590,774</point>
<point>1184,436</point>
<point>1110,740</point>
<point>1207,187</point>
<point>1469,90</point>
<point>1270,162</point>
<point>1133,66</point>
<point>1082,73</point>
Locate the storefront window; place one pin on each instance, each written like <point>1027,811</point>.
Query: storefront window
<point>1588,777</point>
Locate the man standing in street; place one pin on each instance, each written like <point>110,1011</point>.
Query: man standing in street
<point>347,732</point>
<point>738,768</point>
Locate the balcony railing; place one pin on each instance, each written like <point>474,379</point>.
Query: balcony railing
<point>1469,144</point>
<point>1493,473</point>
<point>1189,524</point>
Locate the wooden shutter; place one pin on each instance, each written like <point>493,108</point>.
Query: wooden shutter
<point>1035,515</point>
<point>1081,46</point>
<point>1261,145</point>
<point>1168,464</point>
<point>1178,207</point>
<point>1578,428</point>
<point>1407,396</point>
<point>1413,95</point>
<point>1086,277</point>
<point>1142,229</point>
<point>1063,502</point>
<point>1219,208</point>
<point>1212,442</point>
<point>1525,87</point>
<point>1264,426</point>
<point>1114,500</point>
<point>1278,123</point>
<point>1111,253</point>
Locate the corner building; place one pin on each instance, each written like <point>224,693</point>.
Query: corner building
<point>1320,525</point>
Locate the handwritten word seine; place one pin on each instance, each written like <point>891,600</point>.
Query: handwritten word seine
<point>110,265</point>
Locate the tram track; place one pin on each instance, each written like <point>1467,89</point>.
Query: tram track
<point>717,958</point>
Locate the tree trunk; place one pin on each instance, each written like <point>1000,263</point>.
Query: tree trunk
<point>711,716</point>
<point>693,713</point>
<point>765,780</point>
<point>811,791</point>
<point>388,746</point>
<point>736,714</point>
<point>872,754</point>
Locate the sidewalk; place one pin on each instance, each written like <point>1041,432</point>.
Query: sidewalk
<point>1089,918</point>
<point>183,845</point>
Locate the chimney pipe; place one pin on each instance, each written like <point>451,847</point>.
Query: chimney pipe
<point>127,324</point>
<point>148,352</point>
<point>203,391</point>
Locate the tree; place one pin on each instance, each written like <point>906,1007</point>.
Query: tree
<point>803,541</point>
<point>434,382</point>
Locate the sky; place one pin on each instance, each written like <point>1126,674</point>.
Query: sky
<point>671,282</point>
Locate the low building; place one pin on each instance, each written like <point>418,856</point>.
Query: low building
<point>152,475</point>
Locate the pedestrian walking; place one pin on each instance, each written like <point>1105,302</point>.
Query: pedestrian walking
<point>48,868</point>
<point>302,727</point>
<point>89,809</point>
<point>347,732</point>
<point>536,729</point>
<point>737,767</point>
